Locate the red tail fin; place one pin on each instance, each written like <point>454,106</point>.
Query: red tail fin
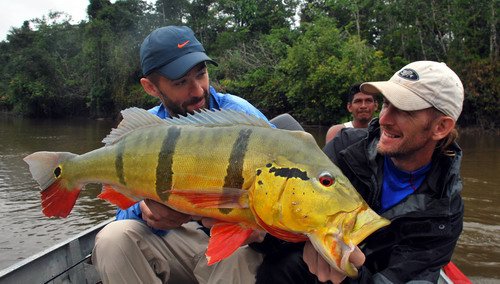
<point>57,199</point>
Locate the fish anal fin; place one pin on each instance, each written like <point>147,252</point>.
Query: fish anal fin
<point>225,238</point>
<point>58,200</point>
<point>113,196</point>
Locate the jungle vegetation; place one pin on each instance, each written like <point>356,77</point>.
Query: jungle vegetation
<point>295,56</point>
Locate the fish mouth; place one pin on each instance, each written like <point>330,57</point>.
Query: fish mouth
<point>345,232</point>
<point>366,222</point>
<point>357,226</point>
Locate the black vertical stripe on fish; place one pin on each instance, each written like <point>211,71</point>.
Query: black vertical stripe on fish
<point>164,171</point>
<point>120,149</point>
<point>234,176</point>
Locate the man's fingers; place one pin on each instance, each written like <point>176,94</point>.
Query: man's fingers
<point>357,257</point>
<point>310,257</point>
<point>160,216</point>
<point>208,222</point>
<point>322,269</point>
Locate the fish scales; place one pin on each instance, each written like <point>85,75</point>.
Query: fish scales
<point>181,162</point>
<point>225,165</point>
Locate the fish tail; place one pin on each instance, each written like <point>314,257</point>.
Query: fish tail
<point>57,198</point>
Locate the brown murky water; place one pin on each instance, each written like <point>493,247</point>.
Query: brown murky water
<point>25,231</point>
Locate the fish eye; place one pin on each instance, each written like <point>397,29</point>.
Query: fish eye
<point>57,172</point>
<point>326,179</point>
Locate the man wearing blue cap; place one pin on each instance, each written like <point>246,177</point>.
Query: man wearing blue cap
<point>149,242</point>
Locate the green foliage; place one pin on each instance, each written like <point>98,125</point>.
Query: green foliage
<point>250,70</point>
<point>50,67</point>
<point>482,99</point>
<point>322,65</point>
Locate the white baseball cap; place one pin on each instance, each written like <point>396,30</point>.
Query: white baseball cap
<point>420,85</point>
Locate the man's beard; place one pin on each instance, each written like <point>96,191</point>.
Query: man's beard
<point>182,109</point>
<point>409,146</point>
<point>364,120</point>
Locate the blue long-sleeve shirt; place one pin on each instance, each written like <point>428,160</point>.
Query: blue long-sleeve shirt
<point>217,101</point>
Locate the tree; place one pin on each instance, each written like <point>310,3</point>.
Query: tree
<point>41,75</point>
<point>49,67</point>
<point>251,69</point>
<point>112,45</point>
<point>320,67</point>
<point>172,12</point>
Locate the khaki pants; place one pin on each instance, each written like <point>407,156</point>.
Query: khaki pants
<point>127,251</point>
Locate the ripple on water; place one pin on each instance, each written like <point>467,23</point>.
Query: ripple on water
<point>477,251</point>
<point>474,180</point>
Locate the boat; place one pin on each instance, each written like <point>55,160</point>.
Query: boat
<point>69,262</point>
<point>66,262</point>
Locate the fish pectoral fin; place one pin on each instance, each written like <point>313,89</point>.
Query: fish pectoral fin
<point>225,198</point>
<point>225,238</point>
<point>110,194</point>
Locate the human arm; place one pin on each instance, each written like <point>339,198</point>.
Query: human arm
<point>332,131</point>
<point>158,216</point>
<point>413,248</point>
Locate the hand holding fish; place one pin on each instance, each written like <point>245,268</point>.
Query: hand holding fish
<point>323,270</point>
<point>159,216</point>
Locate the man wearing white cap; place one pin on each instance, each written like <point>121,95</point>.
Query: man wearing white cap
<point>407,168</point>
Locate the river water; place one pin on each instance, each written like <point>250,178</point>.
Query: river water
<point>24,230</point>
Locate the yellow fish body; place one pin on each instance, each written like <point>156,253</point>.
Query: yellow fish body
<point>225,165</point>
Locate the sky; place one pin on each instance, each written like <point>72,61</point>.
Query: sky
<point>14,12</point>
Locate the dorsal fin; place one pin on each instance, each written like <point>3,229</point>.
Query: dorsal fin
<point>136,118</point>
<point>133,118</point>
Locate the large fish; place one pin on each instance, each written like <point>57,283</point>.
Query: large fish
<point>226,165</point>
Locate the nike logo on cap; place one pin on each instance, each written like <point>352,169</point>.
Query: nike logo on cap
<point>181,45</point>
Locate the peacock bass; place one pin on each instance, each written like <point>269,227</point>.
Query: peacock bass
<point>220,164</point>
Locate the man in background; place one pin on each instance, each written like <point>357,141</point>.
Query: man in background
<point>361,105</point>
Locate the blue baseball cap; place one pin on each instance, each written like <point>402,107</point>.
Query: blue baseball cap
<point>172,51</point>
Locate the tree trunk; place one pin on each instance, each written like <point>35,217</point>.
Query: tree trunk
<point>493,34</point>
<point>420,37</point>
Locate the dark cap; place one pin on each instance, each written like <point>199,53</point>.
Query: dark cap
<point>172,51</point>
